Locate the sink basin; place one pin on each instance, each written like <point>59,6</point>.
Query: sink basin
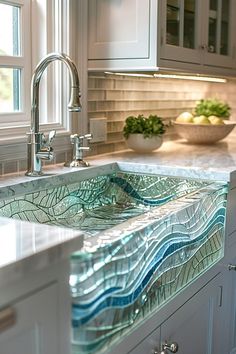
<point>146,238</point>
<point>98,203</point>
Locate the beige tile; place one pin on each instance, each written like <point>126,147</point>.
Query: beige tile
<point>23,165</point>
<point>112,137</point>
<point>60,157</point>
<point>97,114</point>
<point>10,167</point>
<point>96,95</point>
<point>106,148</point>
<point>113,127</point>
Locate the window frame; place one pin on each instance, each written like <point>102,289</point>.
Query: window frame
<point>14,120</point>
<point>60,35</point>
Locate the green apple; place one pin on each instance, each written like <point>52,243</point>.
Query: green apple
<point>185,117</point>
<point>216,120</point>
<point>201,120</point>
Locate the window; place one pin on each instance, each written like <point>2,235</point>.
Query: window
<point>10,78</point>
<point>15,64</point>
<point>21,48</point>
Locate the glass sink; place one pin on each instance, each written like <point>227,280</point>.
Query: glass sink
<point>97,204</point>
<point>146,238</point>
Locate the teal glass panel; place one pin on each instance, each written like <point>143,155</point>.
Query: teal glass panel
<point>118,284</point>
<point>146,238</point>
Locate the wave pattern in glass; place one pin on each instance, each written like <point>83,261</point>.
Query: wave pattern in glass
<point>151,258</point>
<point>147,237</point>
<point>98,203</point>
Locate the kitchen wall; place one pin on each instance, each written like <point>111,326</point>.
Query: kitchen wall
<point>117,97</point>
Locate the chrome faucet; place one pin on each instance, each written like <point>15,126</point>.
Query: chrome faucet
<point>38,147</point>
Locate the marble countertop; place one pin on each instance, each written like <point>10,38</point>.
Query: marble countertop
<point>178,158</point>
<point>26,247</point>
<point>22,241</point>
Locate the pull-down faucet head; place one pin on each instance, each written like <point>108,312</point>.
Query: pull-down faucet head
<point>74,104</point>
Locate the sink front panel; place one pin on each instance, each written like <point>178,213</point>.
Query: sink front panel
<point>119,284</point>
<point>147,238</point>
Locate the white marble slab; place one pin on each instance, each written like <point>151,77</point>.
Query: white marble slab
<point>26,247</point>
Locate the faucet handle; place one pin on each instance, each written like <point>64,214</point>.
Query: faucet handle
<point>88,136</point>
<point>45,153</point>
<point>78,139</point>
<point>51,136</point>
<point>74,138</point>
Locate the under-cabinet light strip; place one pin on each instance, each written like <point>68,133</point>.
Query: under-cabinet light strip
<point>191,77</point>
<point>172,76</point>
<point>128,74</point>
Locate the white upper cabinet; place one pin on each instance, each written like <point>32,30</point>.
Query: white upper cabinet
<point>191,35</point>
<point>114,34</point>
<point>120,34</point>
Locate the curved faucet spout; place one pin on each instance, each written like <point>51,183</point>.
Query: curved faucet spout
<point>36,140</point>
<point>74,103</point>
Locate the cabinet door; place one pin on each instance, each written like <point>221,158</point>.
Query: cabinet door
<point>219,32</point>
<point>118,29</point>
<point>35,330</point>
<point>196,327</point>
<point>149,345</point>
<point>122,35</point>
<point>181,30</point>
<point>230,315</point>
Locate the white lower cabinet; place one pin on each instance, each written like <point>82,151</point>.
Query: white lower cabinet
<point>30,326</point>
<point>198,327</point>
<point>149,345</point>
<point>231,310</point>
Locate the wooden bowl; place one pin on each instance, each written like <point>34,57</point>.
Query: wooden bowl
<point>203,133</point>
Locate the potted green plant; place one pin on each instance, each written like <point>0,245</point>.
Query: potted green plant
<point>144,134</point>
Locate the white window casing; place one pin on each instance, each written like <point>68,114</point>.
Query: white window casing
<point>12,122</point>
<point>46,28</point>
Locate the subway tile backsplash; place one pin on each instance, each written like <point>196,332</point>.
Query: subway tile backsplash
<point>117,97</point>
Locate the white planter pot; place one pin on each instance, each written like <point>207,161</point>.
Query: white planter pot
<point>138,143</point>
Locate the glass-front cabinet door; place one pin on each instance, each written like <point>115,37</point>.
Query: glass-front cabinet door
<point>218,39</point>
<point>180,30</point>
<point>198,31</point>
<point>180,23</point>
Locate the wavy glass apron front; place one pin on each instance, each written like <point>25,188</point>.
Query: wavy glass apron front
<point>147,237</point>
